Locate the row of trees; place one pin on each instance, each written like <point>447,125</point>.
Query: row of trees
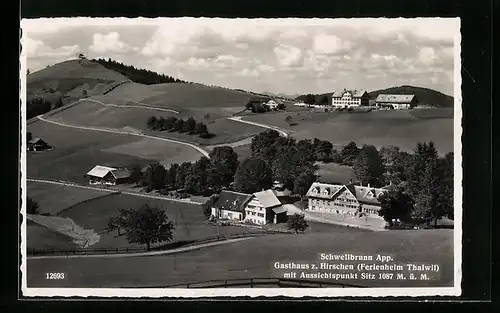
<point>202,177</point>
<point>174,124</point>
<point>37,106</point>
<point>314,99</point>
<point>137,75</point>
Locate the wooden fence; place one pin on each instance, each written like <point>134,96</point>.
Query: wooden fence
<point>127,250</point>
<point>262,283</point>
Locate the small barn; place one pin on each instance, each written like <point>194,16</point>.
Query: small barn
<point>396,102</point>
<point>107,175</point>
<point>37,144</point>
<point>230,205</point>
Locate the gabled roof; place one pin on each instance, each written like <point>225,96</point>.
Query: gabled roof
<point>232,201</point>
<point>361,193</point>
<point>36,140</point>
<point>354,93</point>
<point>100,171</point>
<point>121,173</point>
<point>267,198</point>
<point>394,98</point>
<point>279,210</point>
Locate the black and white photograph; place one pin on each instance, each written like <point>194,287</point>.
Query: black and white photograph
<point>222,157</point>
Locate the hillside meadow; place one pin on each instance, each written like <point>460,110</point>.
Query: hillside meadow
<point>88,113</point>
<point>254,258</point>
<point>76,151</point>
<point>379,128</point>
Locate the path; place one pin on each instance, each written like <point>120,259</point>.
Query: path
<point>279,130</point>
<point>115,131</point>
<point>131,193</point>
<point>140,254</point>
<point>142,106</point>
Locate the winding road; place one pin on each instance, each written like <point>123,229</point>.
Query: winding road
<point>141,106</point>
<point>279,130</point>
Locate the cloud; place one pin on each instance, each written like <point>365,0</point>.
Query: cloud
<point>109,43</point>
<point>37,48</point>
<point>265,68</point>
<point>288,56</point>
<point>226,61</point>
<point>249,73</point>
<point>427,56</point>
<point>330,44</point>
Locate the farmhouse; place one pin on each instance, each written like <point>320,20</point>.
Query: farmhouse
<point>345,200</point>
<point>107,175</point>
<point>37,144</point>
<point>260,208</point>
<point>396,102</point>
<point>349,98</point>
<point>230,205</point>
<point>264,207</point>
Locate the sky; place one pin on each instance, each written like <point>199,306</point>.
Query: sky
<point>289,56</point>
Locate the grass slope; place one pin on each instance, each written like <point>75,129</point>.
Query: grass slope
<point>76,151</point>
<point>190,222</point>
<point>255,258</point>
<point>378,128</point>
<point>70,78</point>
<point>54,198</point>
<point>40,237</point>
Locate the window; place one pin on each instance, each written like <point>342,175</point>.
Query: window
<point>261,214</point>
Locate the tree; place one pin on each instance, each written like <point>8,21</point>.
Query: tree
<point>302,183</point>
<point>252,175</point>
<point>190,125</point>
<point>180,176</point>
<point>323,151</point>
<point>85,94</point>
<point>28,72</point>
<point>149,225</point>
<point>423,154</point>
<point>120,222</point>
<point>307,147</point>
<point>368,167</point>
<point>225,161</point>
<point>178,125</point>
<point>289,165</point>
<point>216,178</point>
<point>447,184</point>
<point>297,223</point>
<point>81,56</point>
<point>394,204</point>
<point>29,136</point>
<point>324,100</point>
<point>135,174</point>
<point>263,140</point>
<point>310,99</point>
<point>169,122</point>
<point>201,129</point>
<point>155,176</point>
<point>396,164</point>
<point>159,123</point>
<point>151,123</point>
<point>32,206</point>
<point>349,153</point>
<point>171,175</point>
<point>197,176</point>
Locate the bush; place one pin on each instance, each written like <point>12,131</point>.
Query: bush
<point>350,109</point>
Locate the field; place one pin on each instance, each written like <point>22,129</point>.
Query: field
<point>94,114</point>
<point>77,151</point>
<point>39,237</point>
<point>254,258</point>
<point>190,222</point>
<point>378,128</point>
<point>55,198</point>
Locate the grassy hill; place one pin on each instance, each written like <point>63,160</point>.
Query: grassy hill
<point>425,96</point>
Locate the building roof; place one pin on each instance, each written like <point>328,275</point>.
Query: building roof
<point>279,210</point>
<point>36,140</point>
<point>267,198</point>
<point>354,93</point>
<point>121,173</point>
<point>363,194</point>
<point>232,201</point>
<point>394,98</point>
<point>100,171</point>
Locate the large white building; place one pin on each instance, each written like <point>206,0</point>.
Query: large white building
<point>396,102</point>
<point>345,200</point>
<point>349,98</point>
